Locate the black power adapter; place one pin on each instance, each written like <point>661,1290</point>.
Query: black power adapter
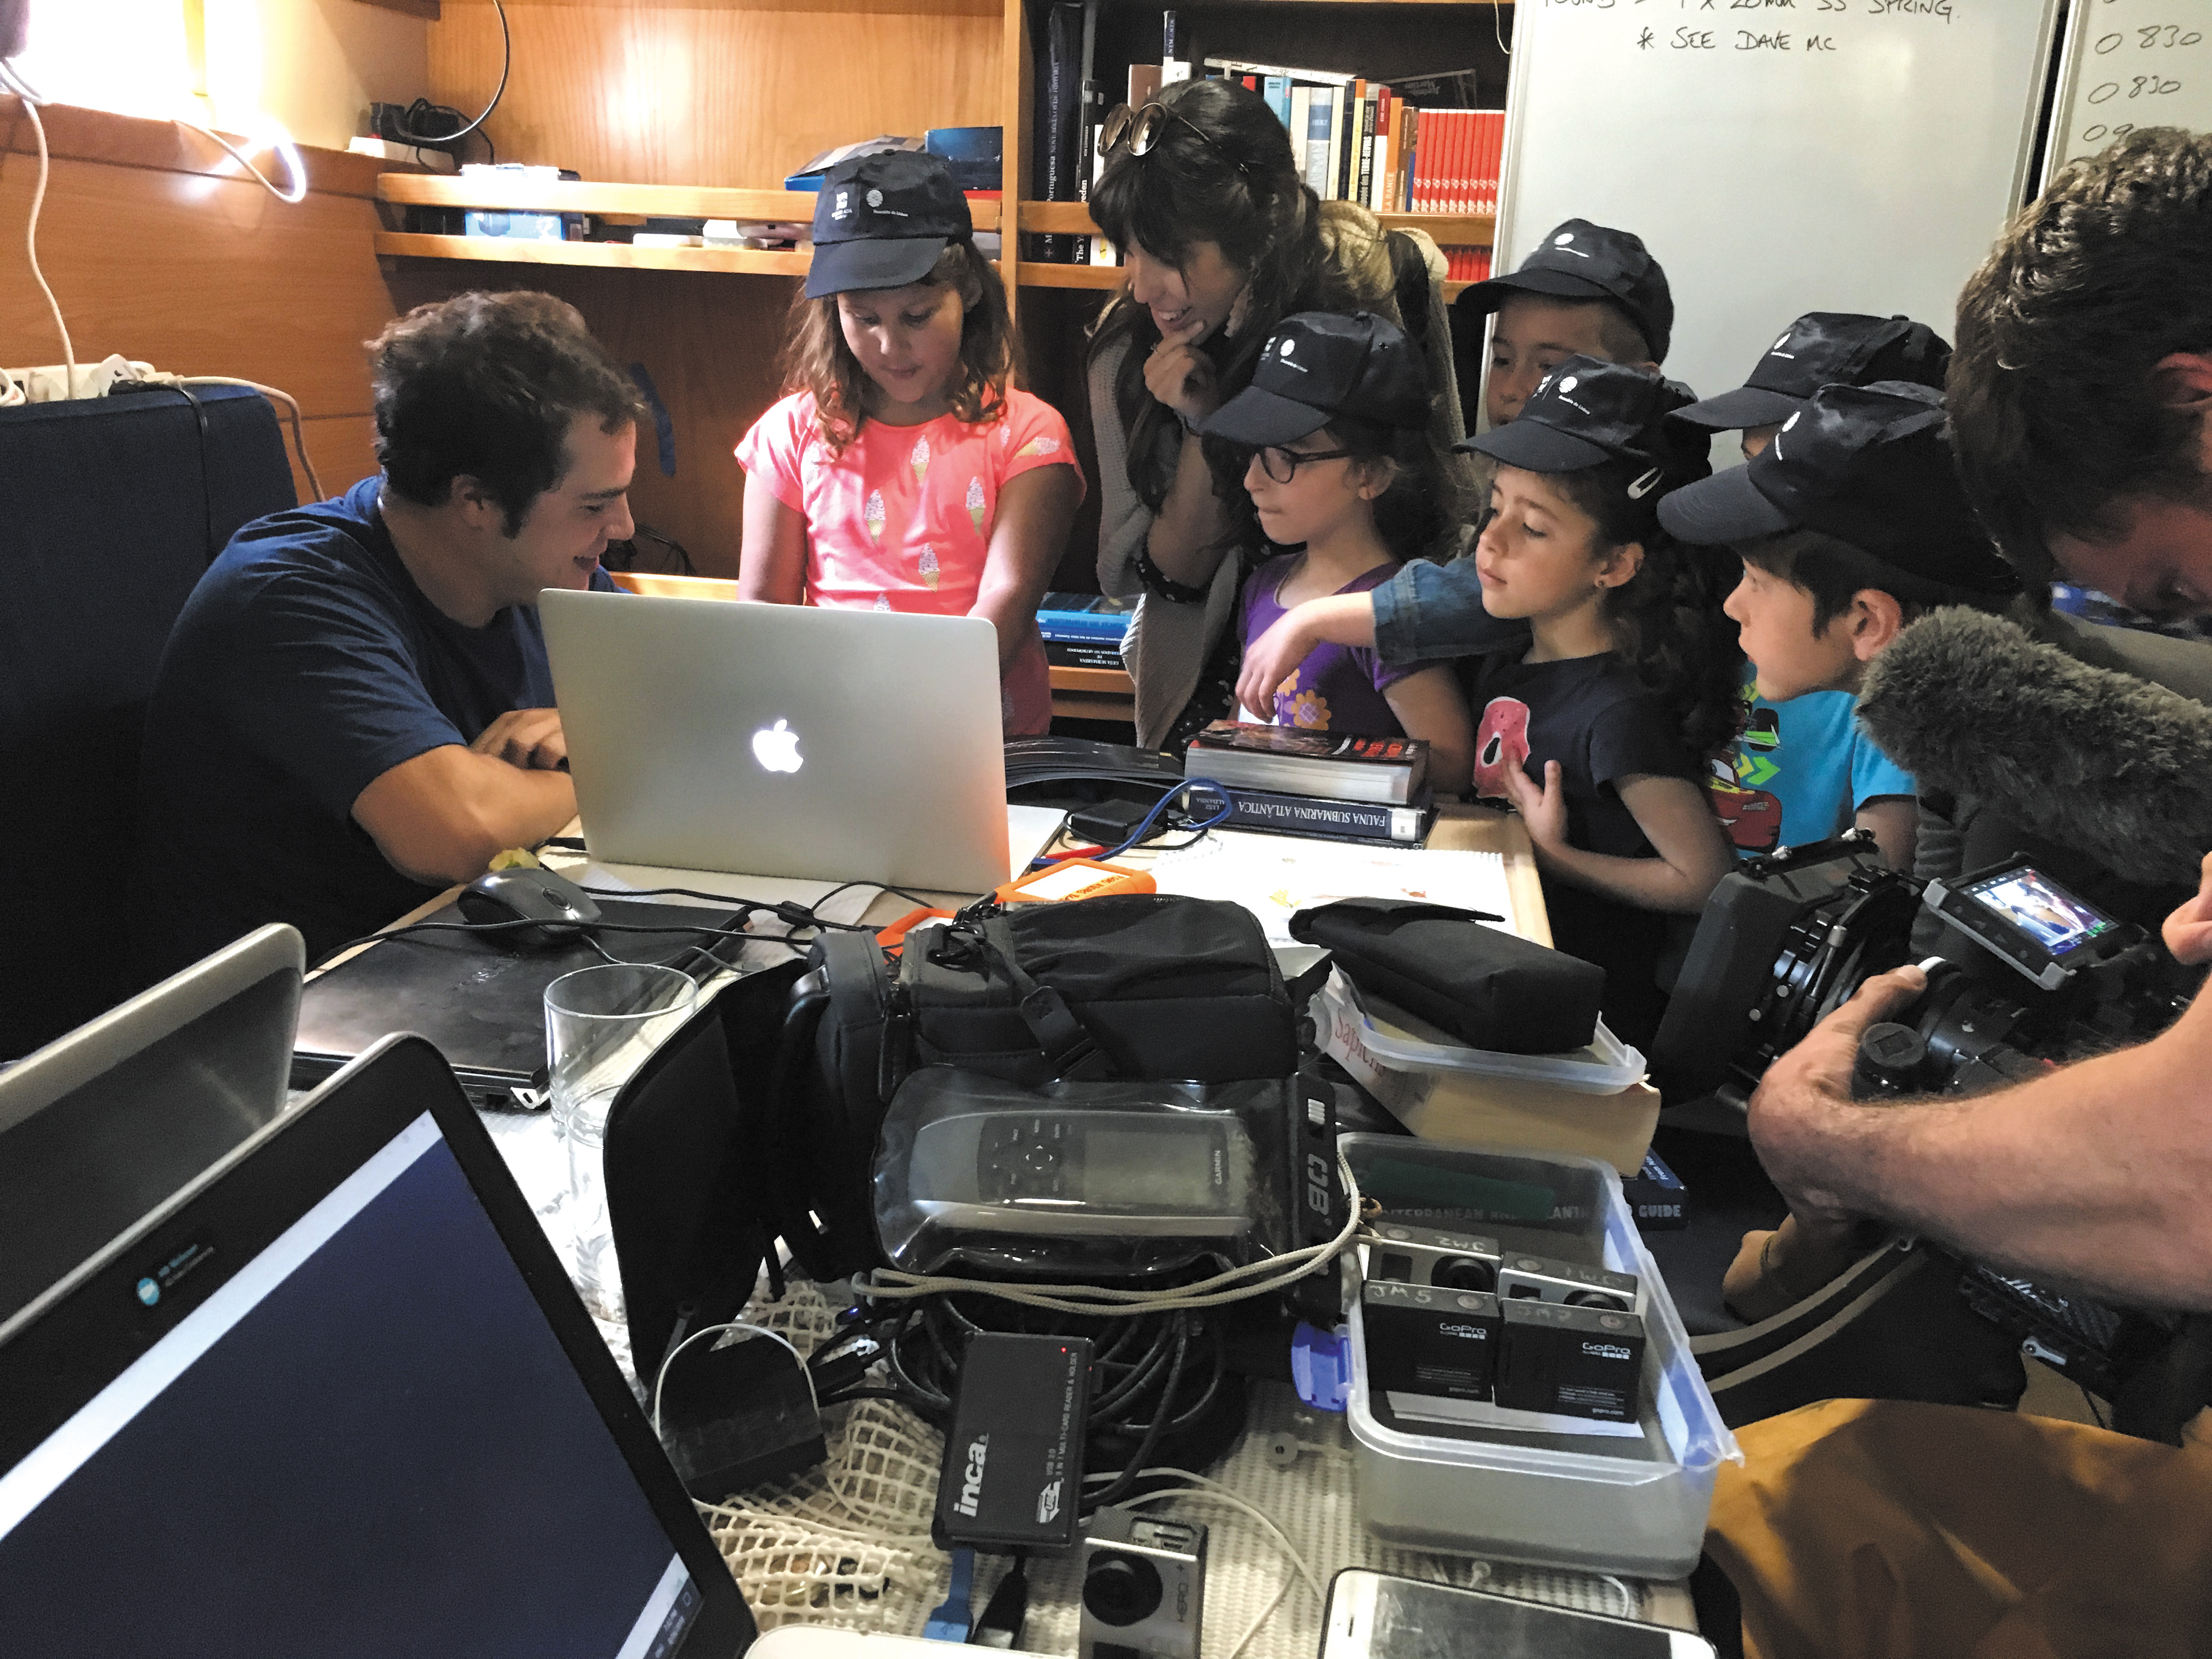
<point>1013,1461</point>
<point>737,1413</point>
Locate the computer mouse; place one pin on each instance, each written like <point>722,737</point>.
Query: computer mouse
<point>526,894</point>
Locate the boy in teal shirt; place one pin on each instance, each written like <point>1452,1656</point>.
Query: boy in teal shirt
<point>1804,769</point>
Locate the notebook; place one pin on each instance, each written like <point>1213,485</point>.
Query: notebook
<point>337,1397</point>
<point>109,1120</point>
<point>480,1001</point>
<point>783,740</point>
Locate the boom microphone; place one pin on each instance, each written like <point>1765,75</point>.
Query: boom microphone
<point>2105,762</point>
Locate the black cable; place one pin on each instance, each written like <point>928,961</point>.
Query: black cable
<point>510,926</point>
<point>610,957</point>
<point>407,135</point>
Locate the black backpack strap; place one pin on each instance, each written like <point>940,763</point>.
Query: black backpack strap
<point>1064,1040</point>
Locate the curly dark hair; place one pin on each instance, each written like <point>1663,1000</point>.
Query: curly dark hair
<point>817,359</point>
<point>1667,616</point>
<point>2055,423</point>
<point>485,385</point>
<point>1266,222</point>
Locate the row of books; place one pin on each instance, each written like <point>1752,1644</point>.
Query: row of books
<point>1084,630</point>
<point>1294,781</point>
<point>1363,143</point>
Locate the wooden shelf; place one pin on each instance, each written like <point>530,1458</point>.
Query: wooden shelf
<point>1449,229</point>
<point>607,256</point>
<point>590,196</point>
<point>1111,681</point>
<point>1034,274</point>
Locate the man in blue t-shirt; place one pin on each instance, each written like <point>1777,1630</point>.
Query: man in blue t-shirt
<point>355,709</point>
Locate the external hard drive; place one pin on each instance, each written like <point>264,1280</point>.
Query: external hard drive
<point>1013,1461</point>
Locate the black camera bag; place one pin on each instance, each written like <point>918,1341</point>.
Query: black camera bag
<point>1486,987</point>
<point>1134,985</point>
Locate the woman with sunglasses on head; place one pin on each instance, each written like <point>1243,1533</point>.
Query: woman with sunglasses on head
<point>1335,421</point>
<point>1222,239</point>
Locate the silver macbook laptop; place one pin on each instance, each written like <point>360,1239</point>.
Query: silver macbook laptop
<point>103,1123</point>
<point>783,740</point>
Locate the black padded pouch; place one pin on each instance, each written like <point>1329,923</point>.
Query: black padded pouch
<point>1488,989</point>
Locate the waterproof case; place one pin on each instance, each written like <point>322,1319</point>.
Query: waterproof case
<point>1082,1181</point>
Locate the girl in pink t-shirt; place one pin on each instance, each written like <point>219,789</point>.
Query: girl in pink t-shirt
<point>902,472</point>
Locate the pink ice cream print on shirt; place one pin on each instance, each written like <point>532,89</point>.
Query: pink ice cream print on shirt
<point>975,503</point>
<point>1501,742</point>
<point>918,458</point>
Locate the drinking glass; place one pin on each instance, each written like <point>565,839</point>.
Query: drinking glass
<point>600,1025</point>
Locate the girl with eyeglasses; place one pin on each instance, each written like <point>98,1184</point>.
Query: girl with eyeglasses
<point>1222,239</point>
<point>1335,424</point>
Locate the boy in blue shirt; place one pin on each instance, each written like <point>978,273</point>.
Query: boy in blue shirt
<point>1804,768</point>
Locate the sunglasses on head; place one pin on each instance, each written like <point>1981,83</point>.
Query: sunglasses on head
<point>1141,130</point>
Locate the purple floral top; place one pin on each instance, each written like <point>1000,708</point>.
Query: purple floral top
<point>1338,687</point>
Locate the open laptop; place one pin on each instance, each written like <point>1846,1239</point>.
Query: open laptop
<point>105,1122</point>
<point>783,740</point>
<point>337,1397</point>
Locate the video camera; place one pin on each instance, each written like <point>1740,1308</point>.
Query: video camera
<point>1788,938</point>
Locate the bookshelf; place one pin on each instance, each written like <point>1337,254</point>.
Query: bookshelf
<point>686,108</point>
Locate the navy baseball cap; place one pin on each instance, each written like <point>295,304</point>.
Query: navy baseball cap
<point>1869,466</point>
<point>880,221</point>
<point>1588,411</point>
<point>1318,364</point>
<point>1578,260</point>
<point>1824,347</point>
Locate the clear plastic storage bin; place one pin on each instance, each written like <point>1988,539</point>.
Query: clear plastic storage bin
<point>1550,1500</point>
<point>1593,1101</point>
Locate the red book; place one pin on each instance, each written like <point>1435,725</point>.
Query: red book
<point>1496,173</point>
<point>1462,174</point>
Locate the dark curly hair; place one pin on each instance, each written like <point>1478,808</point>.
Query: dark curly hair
<point>1666,617</point>
<point>485,385</point>
<point>2055,424</point>
<point>1266,222</point>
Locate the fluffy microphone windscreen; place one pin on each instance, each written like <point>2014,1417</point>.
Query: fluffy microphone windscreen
<point>2107,762</point>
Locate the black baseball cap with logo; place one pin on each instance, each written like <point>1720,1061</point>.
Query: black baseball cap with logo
<point>1824,347</point>
<point>1320,364</point>
<point>1869,466</point>
<point>880,221</point>
<point>1578,260</point>
<point>1588,411</point>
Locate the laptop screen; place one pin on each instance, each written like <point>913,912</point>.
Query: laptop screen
<point>368,1441</point>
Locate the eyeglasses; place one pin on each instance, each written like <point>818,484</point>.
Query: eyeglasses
<point>1141,130</point>
<point>1282,465</point>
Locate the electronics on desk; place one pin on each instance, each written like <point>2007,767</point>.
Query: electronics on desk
<point>1373,1615</point>
<point>348,1371</point>
<point>1597,1444</point>
<point>1144,1587</point>
<point>1083,1174</point>
<point>1013,1474</point>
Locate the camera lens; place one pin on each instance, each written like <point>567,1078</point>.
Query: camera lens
<point>1465,1272</point>
<point>1605,1299</point>
<point>1120,1589</point>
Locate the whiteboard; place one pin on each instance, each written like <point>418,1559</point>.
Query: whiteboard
<point>1777,158</point>
<point>2130,64</point>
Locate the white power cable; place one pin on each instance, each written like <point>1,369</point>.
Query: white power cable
<point>1097,1300</point>
<point>292,407</point>
<point>662,1376</point>
<point>286,150</point>
<point>31,101</point>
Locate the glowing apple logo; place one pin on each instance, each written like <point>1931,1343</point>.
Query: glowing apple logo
<point>776,748</point>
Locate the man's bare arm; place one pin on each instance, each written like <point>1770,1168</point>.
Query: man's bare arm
<point>2095,1174</point>
<point>441,816</point>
